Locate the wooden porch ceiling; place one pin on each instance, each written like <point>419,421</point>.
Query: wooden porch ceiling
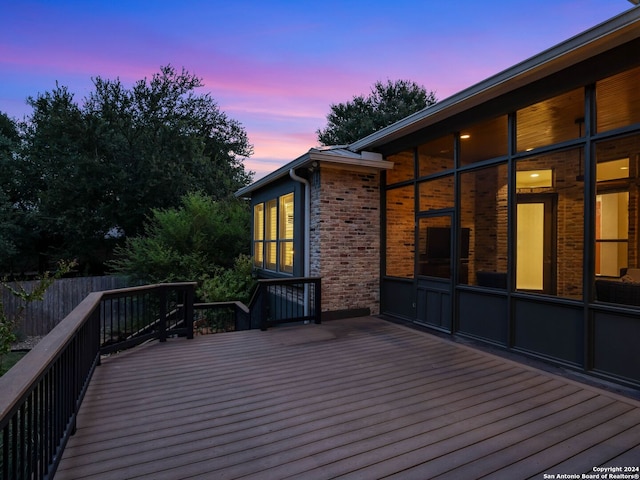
<point>358,398</point>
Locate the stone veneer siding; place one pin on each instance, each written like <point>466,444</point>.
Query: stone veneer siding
<point>345,238</point>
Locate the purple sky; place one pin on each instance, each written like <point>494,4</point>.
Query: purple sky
<point>277,66</point>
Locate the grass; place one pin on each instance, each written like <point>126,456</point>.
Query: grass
<point>9,360</point>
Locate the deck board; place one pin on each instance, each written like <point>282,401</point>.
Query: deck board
<point>358,398</point>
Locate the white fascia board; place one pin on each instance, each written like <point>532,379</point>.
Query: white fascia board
<point>369,160</point>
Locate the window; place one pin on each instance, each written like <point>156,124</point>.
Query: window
<point>616,214</point>
<point>402,167</point>
<point>437,194</point>
<point>612,232</point>
<point>285,234</point>
<point>258,235</point>
<point>273,234</point>
<point>483,218</point>
<point>400,230</point>
<point>551,121</point>
<point>618,100</point>
<point>484,141</point>
<point>549,224</point>
<point>436,156</point>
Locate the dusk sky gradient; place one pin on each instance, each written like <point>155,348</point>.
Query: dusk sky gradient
<point>277,66</point>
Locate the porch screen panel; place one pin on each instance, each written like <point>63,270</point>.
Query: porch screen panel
<point>436,156</point>
<point>484,141</point>
<point>561,227</point>
<point>437,194</point>
<point>617,262</point>
<point>285,237</point>
<point>551,121</point>
<point>484,229</point>
<point>618,100</point>
<point>258,235</point>
<point>271,234</point>
<point>400,232</point>
<point>403,167</point>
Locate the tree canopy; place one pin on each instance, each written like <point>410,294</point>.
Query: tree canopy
<point>85,175</point>
<point>386,104</point>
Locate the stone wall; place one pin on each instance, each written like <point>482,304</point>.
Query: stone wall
<point>345,238</point>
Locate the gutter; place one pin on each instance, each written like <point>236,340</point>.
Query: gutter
<point>307,220</point>
<point>307,240</point>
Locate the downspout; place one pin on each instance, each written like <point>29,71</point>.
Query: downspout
<point>307,241</point>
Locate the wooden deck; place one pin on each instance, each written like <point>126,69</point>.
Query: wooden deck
<point>359,398</point>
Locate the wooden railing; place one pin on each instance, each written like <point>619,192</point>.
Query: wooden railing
<point>287,300</point>
<point>41,395</point>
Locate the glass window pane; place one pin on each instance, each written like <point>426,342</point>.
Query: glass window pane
<point>618,100</point>
<point>402,167</point>
<point>258,221</point>
<point>400,228</point>
<point>483,218</point>
<point>436,156</point>
<point>271,251</point>
<point>258,254</point>
<point>258,235</point>
<point>551,121</point>
<point>286,257</point>
<point>434,246</point>
<point>484,141</point>
<point>437,194</point>
<point>271,220</point>
<point>286,217</point>
<point>549,226</point>
<point>616,221</point>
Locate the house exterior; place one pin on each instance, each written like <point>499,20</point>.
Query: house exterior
<point>507,213</point>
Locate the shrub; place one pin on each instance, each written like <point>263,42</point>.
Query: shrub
<point>186,243</point>
<point>230,284</point>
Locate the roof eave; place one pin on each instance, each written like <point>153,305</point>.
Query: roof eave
<point>362,159</point>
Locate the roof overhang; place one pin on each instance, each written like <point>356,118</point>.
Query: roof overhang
<point>601,38</point>
<point>331,156</point>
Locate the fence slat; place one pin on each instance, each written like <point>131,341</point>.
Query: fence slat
<point>59,300</point>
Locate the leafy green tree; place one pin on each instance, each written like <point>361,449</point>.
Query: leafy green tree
<point>187,243</point>
<point>386,104</point>
<point>9,228</point>
<point>88,174</point>
<point>165,141</point>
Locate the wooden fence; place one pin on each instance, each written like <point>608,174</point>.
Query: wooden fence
<point>60,299</point>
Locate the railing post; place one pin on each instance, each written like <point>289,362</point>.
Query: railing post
<point>264,310</point>
<point>188,310</point>
<point>162,324</point>
<point>318,301</point>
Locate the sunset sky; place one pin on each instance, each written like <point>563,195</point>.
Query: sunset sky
<point>276,66</point>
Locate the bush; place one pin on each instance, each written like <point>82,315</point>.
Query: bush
<point>186,243</point>
<point>231,284</point>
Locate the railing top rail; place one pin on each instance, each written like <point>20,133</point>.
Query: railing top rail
<point>235,304</point>
<point>22,377</point>
<point>141,288</point>
<point>288,280</point>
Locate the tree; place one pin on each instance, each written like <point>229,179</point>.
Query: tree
<point>11,232</point>
<point>386,104</point>
<point>89,174</point>
<point>187,243</point>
